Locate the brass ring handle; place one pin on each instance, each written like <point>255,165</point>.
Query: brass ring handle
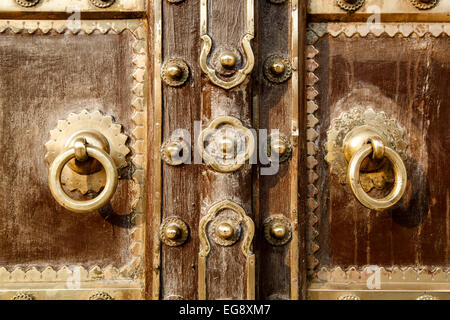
<point>400,179</point>
<point>54,180</point>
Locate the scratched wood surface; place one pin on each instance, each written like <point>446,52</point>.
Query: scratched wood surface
<point>414,73</point>
<point>43,78</point>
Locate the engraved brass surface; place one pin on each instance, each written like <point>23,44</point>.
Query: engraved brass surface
<point>173,232</point>
<point>226,144</point>
<point>277,68</point>
<point>175,72</point>
<point>240,74</point>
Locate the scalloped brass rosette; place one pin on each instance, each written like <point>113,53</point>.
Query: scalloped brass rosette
<point>226,145</point>
<point>101,132</point>
<point>100,296</point>
<point>424,4</point>
<point>350,5</point>
<point>27,3</point>
<point>102,3</point>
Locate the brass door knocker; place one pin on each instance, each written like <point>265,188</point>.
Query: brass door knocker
<point>85,153</point>
<point>363,146</point>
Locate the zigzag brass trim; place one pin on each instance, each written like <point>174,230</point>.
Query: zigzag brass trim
<point>208,42</point>
<point>132,271</point>
<point>205,247</point>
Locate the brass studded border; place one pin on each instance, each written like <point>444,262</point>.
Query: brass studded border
<point>316,31</point>
<point>133,271</point>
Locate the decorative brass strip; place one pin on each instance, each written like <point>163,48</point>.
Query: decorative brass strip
<point>157,140</point>
<point>208,42</point>
<point>293,169</point>
<point>78,5</point>
<point>205,247</point>
<point>132,271</point>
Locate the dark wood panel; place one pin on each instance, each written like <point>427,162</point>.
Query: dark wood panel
<point>43,78</point>
<point>414,74</point>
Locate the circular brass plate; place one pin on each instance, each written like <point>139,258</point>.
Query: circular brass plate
<point>424,5</point>
<point>349,6</point>
<point>179,223</point>
<point>233,222</point>
<point>269,224</point>
<point>102,3</point>
<point>175,82</point>
<point>275,77</point>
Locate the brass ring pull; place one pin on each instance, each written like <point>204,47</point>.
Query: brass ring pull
<point>400,178</point>
<point>54,180</point>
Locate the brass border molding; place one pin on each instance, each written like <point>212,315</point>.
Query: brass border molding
<point>175,72</point>
<point>277,68</point>
<point>205,247</point>
<point>173,231</point>
<point>424,5</point>
<point>127,276</point>
<point>239,157</point>
<point>350,7</point>
<point>27,3</point>
<point>101,295</point>
<point>277,230</point>
<point>102,3</point>
<point>241,74</point>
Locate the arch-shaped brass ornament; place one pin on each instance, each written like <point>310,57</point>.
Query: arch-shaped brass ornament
<point>240,74</point>
<point>205,246</point>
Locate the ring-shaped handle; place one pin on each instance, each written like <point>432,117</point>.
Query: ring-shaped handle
<point>400,179</point>
<point>54,181</point>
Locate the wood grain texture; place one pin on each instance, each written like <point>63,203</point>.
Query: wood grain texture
<point>42,79</point>
<point>413,73</point>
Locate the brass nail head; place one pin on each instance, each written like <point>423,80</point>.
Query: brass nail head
<point>278,231</point>
<point>173,149</point>
<point>279,146</point>
<point>225,231</point>
<point>228,60</point>
<point>226,144</point>
<point>173,232</point>
<point>278,67</point>
<point>174,72</point>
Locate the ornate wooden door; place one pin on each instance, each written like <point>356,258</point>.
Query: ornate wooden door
<point>210,149</point>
